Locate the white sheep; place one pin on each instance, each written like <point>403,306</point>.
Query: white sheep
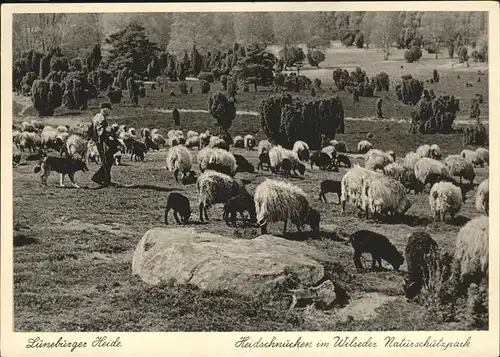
<point>435,152</point>
<point>483,196</point>
<point>145,133</point>
<point>330,150</point>
<point>457,166</point>
<point>179,161</point>
<point>484,155</point>
<point>277,201</point>
<point>76,147</point>
<point>154,131</point>
<point>427,167</point>
<point>410,160</point>
<point>48,136</point>
<point>471,248</point>
<point>392,154</point>
<point>352,185</point>
<point>191,133</point>
<point>472,157</point>
<point>238,141</point>
<point>218,159</point>
<point>278,153</point>
<point>423,151</point>
<point>29,140</point>
<point>62,137</point>
<point>28,127</point>
<point>158,139</point>
<point>264,146</point>
<point>173,141</point>
<point>249,142</point>
<point>179,133</point>
<point>61,129</point>
<point>377,159</point>
<point>132,131</point>
<point>204,140</point>
<point>216,142</point>
<point>302,150</point>
<point>37,124</point>
<point>214,187</point>
<point>445,198</point>
<point>171,134</point>
<point>193,141</point>
<point>364,146</point>
<point>382,195</point>
<point>15,137</point>
<point>92,152</point>
<point>395,171</point>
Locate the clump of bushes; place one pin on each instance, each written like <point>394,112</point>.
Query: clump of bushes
<point>204,86</point>
<point>315,57</point>
<point>114,94</point>
<point>46,96</point>
<point>286,119</point>
<point>435,76</point>
<point>133,91</point>
<point>382,81</point>
<point>223,80</point>
<point>74,97</point>
<point>176,116</point>
<point>463,55</point>
<point>409,90</point>
<point>317,83</point>
<point>436,116</point>
<point>223,110</point>
<point>475,135</point>
<point>413,54</point>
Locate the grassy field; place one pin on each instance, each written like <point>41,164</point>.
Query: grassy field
<point>73,252</point>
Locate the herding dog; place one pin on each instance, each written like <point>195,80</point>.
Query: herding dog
<point>62,165</point>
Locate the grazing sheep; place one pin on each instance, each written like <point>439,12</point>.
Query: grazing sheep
<point>191,133</point>
<point>364,146</point>
<point>37,124</point>
<point>278,153</point>
<point>352,185</point>
<point>392,154</point>
<point>218,158</point>
<point>426,168</point>
<point>341,146</point>
<point>214,187</point>
<point>76,147</point>
<point>173,141</point>
<point>204,140</point>
<point>239,204</point>
<point>343,159</point>
<point>216,142</point>
<point>127,139</point>
<point>395,171</point>
<point>483,196</point>
<point>28,127</point>
<point>48,137</point>
<point>377,159</point>
<point>138,151</point>
<point>410,182</point>
<point>302,150</point>
<point>330,186</point>
<point>158,139</point>
<point>178,133</point>
<point>457,166</point>
<point>92,152</point>
<point>29,140</point>
<point>62,129</point>
<point>435,152</point>
<point>472,157</point>
<point>471,250</point>
<point>243,165</point>
<point>423,151</point>
<point>484,155</point>
<point>378,245</point>
<point>15,137</point>
<point>445,198</point>
<point>410,160</point>
<point>285,168</point>
<point>264,146</point>
<point>422,259</point>
<point>279,201</point>
<point>249,142</point>
<point>264,159</point>
<point>179,161</point>
<point>193,142</point>
<point>180,204</point>
<point>145,133</point>
<point>171,133</point>
<point>383,195</point>
<point>238,141</point>
<point>322,160</point>
<point>330,150</point>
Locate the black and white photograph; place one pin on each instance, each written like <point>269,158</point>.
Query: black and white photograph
<point>247,171</point>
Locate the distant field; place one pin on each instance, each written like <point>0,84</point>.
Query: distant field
<point>72,271</point>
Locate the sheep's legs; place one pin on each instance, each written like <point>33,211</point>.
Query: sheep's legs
<point>322,197</point>
<point>357,261</point>
<point>338,194</point>
<point>166,215</point>
<point>176,216</point>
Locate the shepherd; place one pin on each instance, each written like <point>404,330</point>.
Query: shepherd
<point>106,144</point>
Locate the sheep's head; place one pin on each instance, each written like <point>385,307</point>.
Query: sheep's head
<point>394,257</point>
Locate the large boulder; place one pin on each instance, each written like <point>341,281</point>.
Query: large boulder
<point>216,263</point>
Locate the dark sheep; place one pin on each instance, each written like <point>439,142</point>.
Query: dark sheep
<point>330,186</point>
<point>322,160</point>
<point>243,165</point>
<point>264,159</point>
<point>411,183</point>
<point>239,204</point>
<point>138,151</point>
<point>223,169</point>
<point>150,144</point>
<point>433,178</point>
<point>285,167</point>
<point>343,159</point>
<point>421,255</point>
<point>180,204</point>
<point>379,246</point>
<point>300,167</point>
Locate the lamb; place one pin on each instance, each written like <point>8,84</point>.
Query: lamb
<point>216,142</point>
<point>377,159</point>
<point>483,196</point>
<point>204,140</point>
<point>191,133</point>
<point>249,142</point>
<point>457,166</point>
<point>435,152</point>
<point>383,195</point>
<point>180,205</point>
<point>28,127</point>
<point>483,155</point>
<point>92,152</point>
<point>218,158</point>
<point>352,183</point>
<point>472,157</point>
<point>76,147</point>
<point>264,159</point>
<point>410,160</point>
<point>343,159</point>
<point>422,259</point>
<point>330,186</point>
<point>322,160</point>
<point>378,245</point>
<point>179,161</point>
<point>214,187</point>
<point>426,166</point>
<point>471,250</point>
<point>302,150</point>
<point>423,151</point>
<point>243,165</point>
<point>364,146</point>
<point>239,204</point>
<point>278,153</point>
<point>279,201</point>
<point>445,198</point>
<point>193,142</point>
<point>138,151</point>
<point>264,146</point>
<point>238,142</point>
